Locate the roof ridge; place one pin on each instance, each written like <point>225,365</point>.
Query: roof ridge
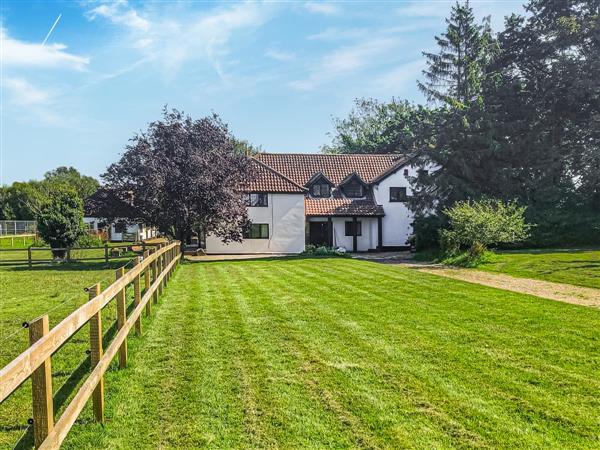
<point>266,166</point>
<point>393,155</point>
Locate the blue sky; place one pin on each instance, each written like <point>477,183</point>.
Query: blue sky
<point>276,72</point>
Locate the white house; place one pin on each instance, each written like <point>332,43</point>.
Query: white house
<point>354,201</point>
<point>121,231</point>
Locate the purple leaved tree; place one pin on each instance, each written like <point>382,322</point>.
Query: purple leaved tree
<point>182,175</point>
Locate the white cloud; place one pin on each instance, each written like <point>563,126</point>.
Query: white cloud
<point>425,9</point>
<point>321,8</point>
<point>344,61</point>
<point>172,40</point>
<point>17,53</point>
<point>337,34</point>
<point>24,93</point>
<point>395,79</point>
<point>120,13</point>
<point>279,55</point>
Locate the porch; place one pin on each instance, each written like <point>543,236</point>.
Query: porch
<point>354,233</point>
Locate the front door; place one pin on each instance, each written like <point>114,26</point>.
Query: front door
<point>318,233</point>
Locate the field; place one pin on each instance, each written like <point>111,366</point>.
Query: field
<point>342,353</point>
<point>579,267</point>
<point>26,294</point>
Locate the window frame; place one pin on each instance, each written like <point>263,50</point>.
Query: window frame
<point>351,224</point>
<point>360,186</point>
<point>263,195</point>
<point>320,187</point>
<point>401,189</point>
<point>247,233</point>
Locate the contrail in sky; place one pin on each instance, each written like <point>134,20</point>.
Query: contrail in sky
<point>52,29</point>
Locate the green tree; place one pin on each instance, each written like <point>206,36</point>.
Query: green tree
<point>22,200</point>
<point>82,184</point>
<point>60,220</point>
<point>455,73</point>
<point>375,127</point>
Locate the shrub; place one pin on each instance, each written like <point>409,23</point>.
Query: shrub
<point>60,220</point>
<point>89,240</point>
<point>313,250</point>
<point>474,226</point>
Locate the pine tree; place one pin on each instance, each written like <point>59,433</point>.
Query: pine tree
<point>455,73</point>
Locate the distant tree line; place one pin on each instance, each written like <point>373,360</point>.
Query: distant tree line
<point>513,115</point>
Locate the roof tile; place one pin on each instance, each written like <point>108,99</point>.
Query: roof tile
<point>301,167</point>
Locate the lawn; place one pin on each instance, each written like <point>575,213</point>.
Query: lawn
<point>579,267</point>
<point>19,254</point>
<point>315,353</point>
<point>26,294</point>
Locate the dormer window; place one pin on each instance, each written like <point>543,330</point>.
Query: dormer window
<point>353,186</point>
<point>321,190</point>
<point>353,189</point>
<point>319,186</point>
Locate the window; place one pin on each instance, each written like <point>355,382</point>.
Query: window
<point>353,189</point>
<point>405,172</point>
<point>350,228</point>
<point>120,227</point>
<point>398,194</point>
<point>257,231</point>
<point>257,199</point>
<point>321,190</point>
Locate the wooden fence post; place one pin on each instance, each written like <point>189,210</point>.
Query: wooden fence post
<point>96,355</point>
<point>154,275</point>
<point>121,318</point>
<point>41,385</point>
<point>161,266</point>
<point>29,256</point>
<point>137,296</point>
<point>106,253</point>
<point>147,284</point>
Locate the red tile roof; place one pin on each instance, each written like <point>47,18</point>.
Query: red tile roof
<point>341,207</point>
<point>301,167</point>
<point>266,179</point>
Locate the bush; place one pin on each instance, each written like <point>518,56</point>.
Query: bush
<point>60,220</point>
<point>475,226</point>
<point>89,240</point>
<point>313,250</point>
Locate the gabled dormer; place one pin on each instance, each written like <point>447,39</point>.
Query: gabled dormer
<point>319,186</point>
<point>353,186</point>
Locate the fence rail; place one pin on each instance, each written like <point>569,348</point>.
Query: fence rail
<point>110,252</point>
<point>155,269</point>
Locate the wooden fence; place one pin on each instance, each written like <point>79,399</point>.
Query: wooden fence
<point>109,252</point>
<point>155,269</point>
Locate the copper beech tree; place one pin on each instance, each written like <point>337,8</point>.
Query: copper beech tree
<point>181,175</point>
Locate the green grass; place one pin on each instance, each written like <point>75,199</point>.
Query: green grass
<point>16,241</point>
<point>340,353</point>
<point>19,255</point>
<point>26,294</point>
<point>579,267</point>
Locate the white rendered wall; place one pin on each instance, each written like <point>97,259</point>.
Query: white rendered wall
<point>397,221</point>
<point>285,216</point>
